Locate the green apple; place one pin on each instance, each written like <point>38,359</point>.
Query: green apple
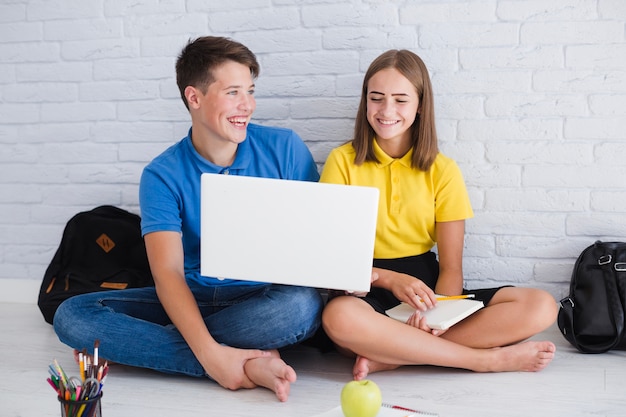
<point>361,399</point>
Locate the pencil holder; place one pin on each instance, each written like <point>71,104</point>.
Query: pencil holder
<point>85,408</point>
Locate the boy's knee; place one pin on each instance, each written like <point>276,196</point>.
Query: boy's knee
<point>310,300</point>
<point>68,323</point>
<point>62,321</point>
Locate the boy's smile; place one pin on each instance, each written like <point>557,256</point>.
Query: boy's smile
<point>222,113</point>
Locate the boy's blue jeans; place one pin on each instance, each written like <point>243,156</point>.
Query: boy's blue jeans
<point>134,329</point>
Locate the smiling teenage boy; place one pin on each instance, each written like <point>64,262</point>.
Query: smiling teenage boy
<point>216,80</point>
<point>190,324</point>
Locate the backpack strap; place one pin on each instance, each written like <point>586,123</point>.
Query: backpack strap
<point>566,321</point>
<point>616,311</point>
<point>616,272</point>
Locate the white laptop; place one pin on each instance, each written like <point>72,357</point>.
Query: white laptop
<point>287,232</point>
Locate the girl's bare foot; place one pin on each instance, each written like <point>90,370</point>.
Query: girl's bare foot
<point>272,373</point>
<point>363,367</point>
<point>528,356</point>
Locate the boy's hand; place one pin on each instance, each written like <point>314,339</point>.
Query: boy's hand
<point>363,293</point>
<point>226,366</point>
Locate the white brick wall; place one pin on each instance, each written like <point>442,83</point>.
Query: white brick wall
<point>530,96</point>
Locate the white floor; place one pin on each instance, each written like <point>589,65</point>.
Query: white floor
<point>573,385</point>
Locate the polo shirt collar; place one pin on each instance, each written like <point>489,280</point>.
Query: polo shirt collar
<point>244,155</point>
<point>385,160</point>
<point>241,162</point>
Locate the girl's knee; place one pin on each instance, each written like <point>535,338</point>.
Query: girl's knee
<point>335,317</point>
<point>545,308</point>
<point>538,308</point>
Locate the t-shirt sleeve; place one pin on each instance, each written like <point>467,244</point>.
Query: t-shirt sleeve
<point>335,169</point>
<point>452,200</point>
<point>160,209</point>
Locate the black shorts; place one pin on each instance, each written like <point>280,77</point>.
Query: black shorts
<point>424,267</point>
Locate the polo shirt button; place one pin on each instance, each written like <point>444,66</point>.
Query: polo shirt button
<point>396,197</point>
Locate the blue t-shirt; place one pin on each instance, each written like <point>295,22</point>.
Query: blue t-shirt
<point>169,191</point>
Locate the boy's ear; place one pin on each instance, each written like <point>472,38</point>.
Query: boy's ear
<point>192,96</point>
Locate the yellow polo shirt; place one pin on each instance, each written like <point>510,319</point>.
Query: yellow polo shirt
<point>411,201</point>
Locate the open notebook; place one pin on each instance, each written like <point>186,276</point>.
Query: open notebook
<point>443,316</point>
<point>288,232</point>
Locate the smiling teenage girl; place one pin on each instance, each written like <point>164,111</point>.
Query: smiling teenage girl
<point>423,203</point>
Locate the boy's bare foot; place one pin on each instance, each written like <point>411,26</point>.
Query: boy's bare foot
<point>272,373</point>
<point>363,367</point>
<point>528,356</point>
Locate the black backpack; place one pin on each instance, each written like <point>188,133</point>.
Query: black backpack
<point>591,317</point>
<point>101,249</point>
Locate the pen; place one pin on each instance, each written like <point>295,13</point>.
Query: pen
<point>452,297</point>
<point>88,366</point>
<point>81,364</point>
<point>410,410</point>
<point>53,372</point>
<point>54,386</point>
<point>455,297</point>
<point>67,404</point>
<point>60,372</point>
<point>96,345</point>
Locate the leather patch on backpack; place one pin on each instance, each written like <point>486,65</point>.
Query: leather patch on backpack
<point>105,242</point>
<point>114,285</point>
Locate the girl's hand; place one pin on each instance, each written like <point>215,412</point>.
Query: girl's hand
<point>416,320</point>
<point>412,291</point>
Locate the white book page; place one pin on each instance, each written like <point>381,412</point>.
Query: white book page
<point>444,315</point>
